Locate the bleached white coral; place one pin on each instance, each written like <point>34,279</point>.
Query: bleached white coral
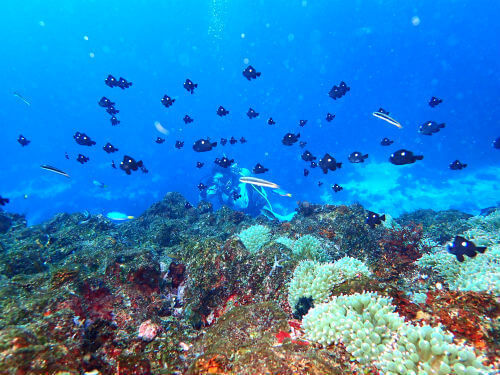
<point>317,280</point>
<point>255,237</point>
<point>309,247</point>
<point>364,323</point>
<point>373,333</point>
<point>351,267</point>
<point>285,241</point>
<point>419,350</point>
<point>313,279</point>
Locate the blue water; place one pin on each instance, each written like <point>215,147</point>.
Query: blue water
<point>392,54</point>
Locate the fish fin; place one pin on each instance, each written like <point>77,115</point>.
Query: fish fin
<point>298,135</point>
<point>214,144</point>
<point>481,249</point>
<point>464,165</point>
<point>460,257</point>
<point>139,163</point>
<point>382,217</point>
<point>442,125</point>
<point>365,156</point>
<point>460,238</point>
<point>419,157</point>
<point>470,252</point>
<point>339,165</point>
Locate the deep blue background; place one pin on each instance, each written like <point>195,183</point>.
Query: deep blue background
<point>301,48</point>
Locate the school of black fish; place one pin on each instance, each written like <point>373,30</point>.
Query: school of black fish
<point>327,163</point>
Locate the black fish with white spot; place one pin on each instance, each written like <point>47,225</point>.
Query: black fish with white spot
<point>221,111</point>
<point>430,127</point>
<point>187,119</point>
<point>403,157</point>
<point>290,138</point>
<point>336,188</point>
<point>251,113</point>
<point>457,165</point>
<point>307,156</point>
<point>373,219</point>
<point>204,145</point>
<point>250,73</point>
<point>23,141</point>
<point>435,101</point>
<point>259,169</point>
<point>190,86</point>
<point>462,246</point>
<point>167,101</point>
<point>386,142</point>
<point>328,163</point>
<point>128,164</point>
<point>109,148</point>
<point>357,157</point>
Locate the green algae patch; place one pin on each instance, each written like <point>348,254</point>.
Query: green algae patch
<point>244,341</point>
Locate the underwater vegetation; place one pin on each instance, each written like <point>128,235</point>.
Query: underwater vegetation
<point>190,290</point>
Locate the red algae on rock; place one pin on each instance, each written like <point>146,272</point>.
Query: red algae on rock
<point>468,315</point>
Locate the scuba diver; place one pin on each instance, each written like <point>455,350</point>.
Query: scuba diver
<point>225,188</point>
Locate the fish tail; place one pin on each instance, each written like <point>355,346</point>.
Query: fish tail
<point>130,217</point>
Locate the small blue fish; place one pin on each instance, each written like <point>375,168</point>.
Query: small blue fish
<point>99,184</point>
<point>118,216</point>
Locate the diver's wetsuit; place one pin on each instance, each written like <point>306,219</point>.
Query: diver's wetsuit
<point>223,182</point>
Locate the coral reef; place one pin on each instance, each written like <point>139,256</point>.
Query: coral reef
<point>196,291</point>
